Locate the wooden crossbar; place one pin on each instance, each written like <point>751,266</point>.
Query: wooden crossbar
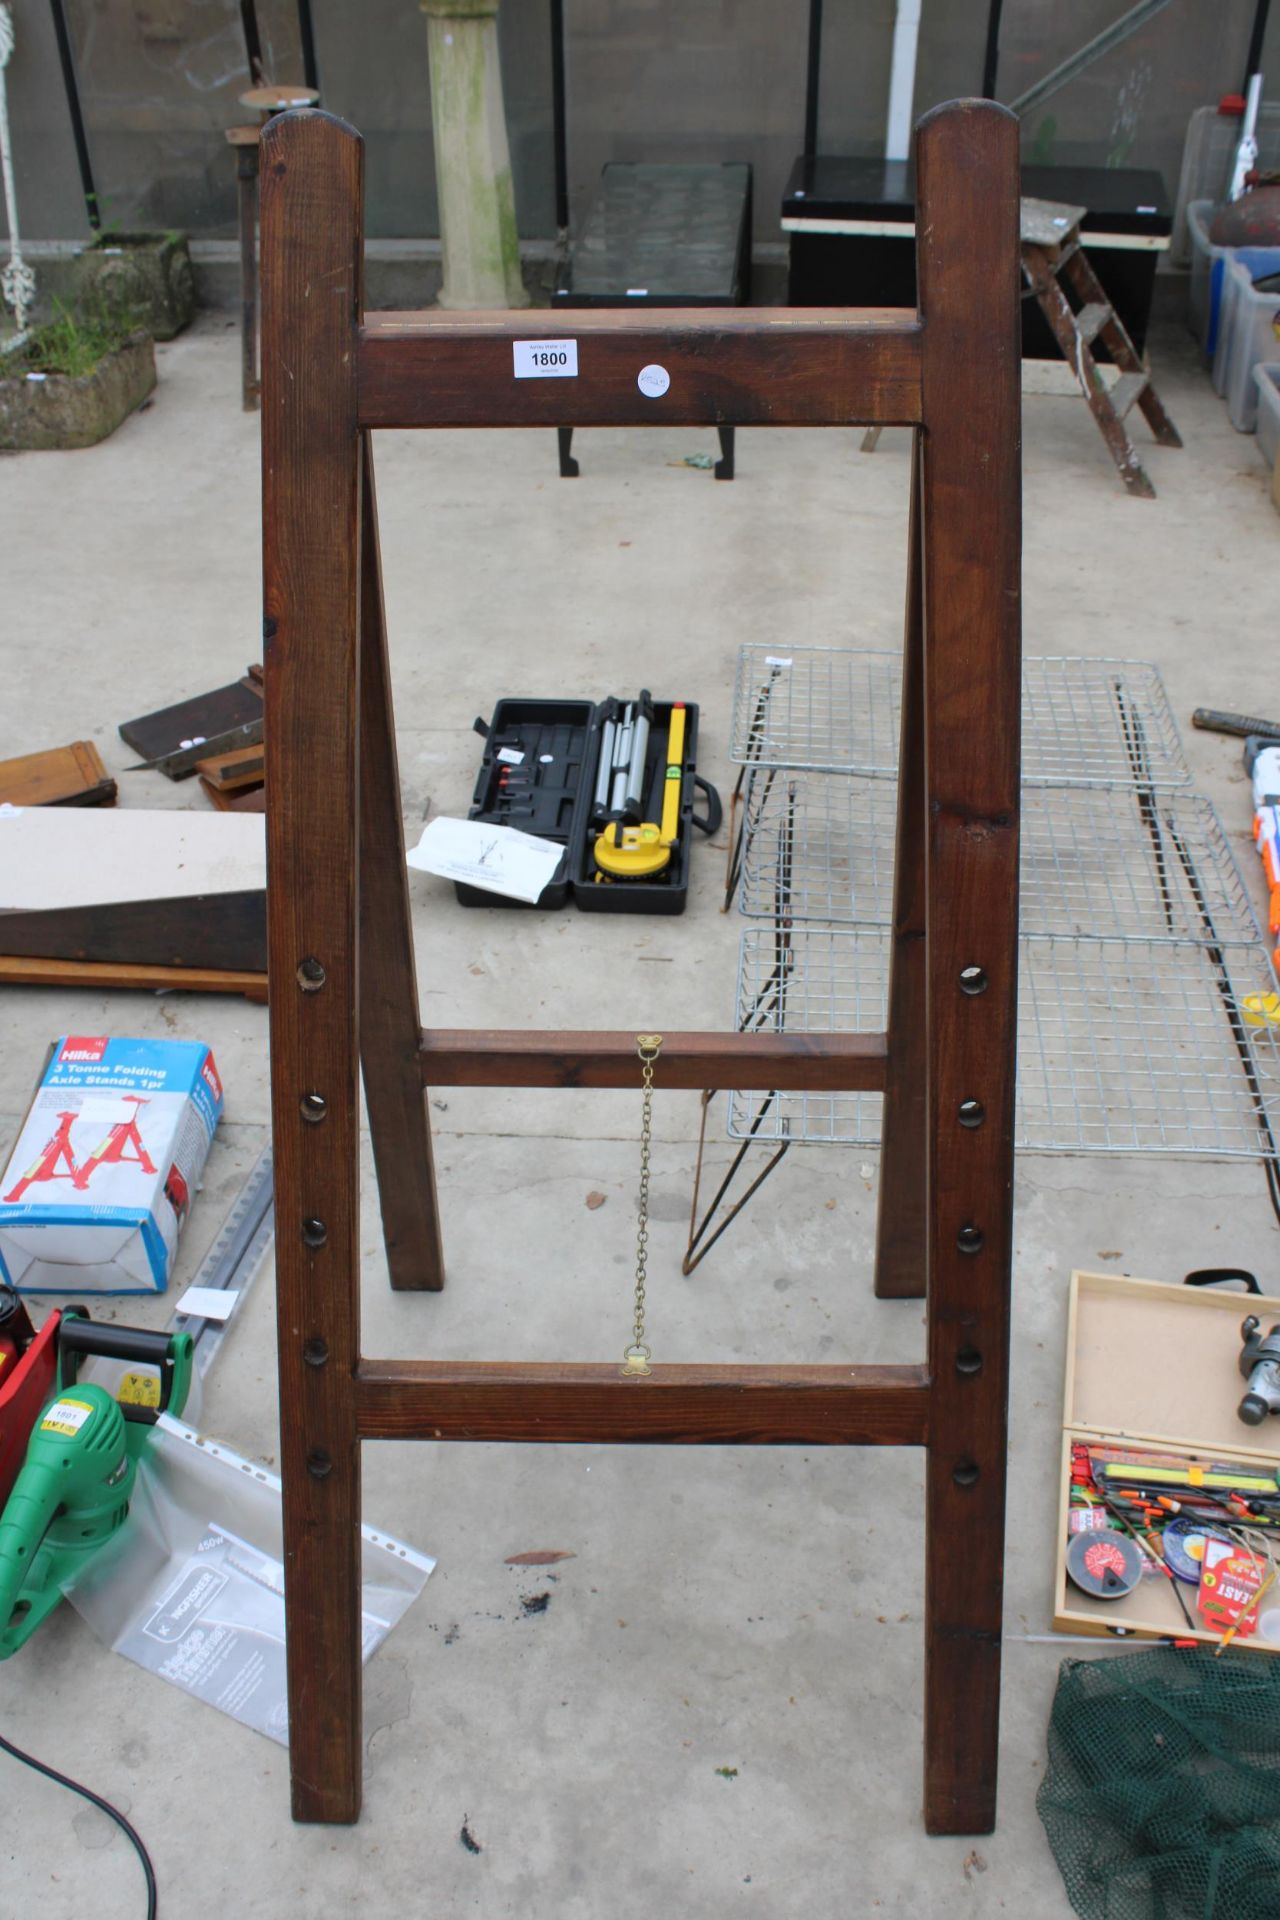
<point>341,962</point>
<point>731,367</point>
<point>826,1406</point>
<point>813,1063</point>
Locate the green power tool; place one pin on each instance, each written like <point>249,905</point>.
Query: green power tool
<point>74,1488</point>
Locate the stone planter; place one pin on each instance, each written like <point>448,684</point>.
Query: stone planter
<point>148,273</point>
<point>57,410</point>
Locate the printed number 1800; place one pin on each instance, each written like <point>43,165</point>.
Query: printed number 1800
<point>545,359</point>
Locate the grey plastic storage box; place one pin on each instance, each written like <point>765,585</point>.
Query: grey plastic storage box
<point>1206,277</point>
<point>1266,380</point>
<point>1259,263</point>
<point>1208,272</point>
<point>1248,333</point>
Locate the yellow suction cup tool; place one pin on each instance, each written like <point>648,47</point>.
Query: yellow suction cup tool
<point>1261,1009</point>
<point>632,853</point>
<point>637,853</point>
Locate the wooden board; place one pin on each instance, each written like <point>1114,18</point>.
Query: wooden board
<point>242,800</point>
<point>71,776</point>
<point>17,971</point>
<point>242,767</point>
<point>726,366</point>
<point>152,735</point>
<point>1186,1390</point>
<point>1047,223</point>
<point>162,888</point>
<point>53,858</point>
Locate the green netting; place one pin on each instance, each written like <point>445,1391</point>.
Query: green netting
<point>1162,1795</point>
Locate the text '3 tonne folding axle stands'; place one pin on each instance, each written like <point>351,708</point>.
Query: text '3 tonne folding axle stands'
<point>342,989</point>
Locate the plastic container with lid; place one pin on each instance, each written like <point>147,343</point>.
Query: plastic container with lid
<point>1213,134</point>
<point>1208,274</point>
<point>1205,285</point>
<point>1248,332</point>
<point>1266,380</point>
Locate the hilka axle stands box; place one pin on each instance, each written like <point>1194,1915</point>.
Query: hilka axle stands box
<point>100,1181</point>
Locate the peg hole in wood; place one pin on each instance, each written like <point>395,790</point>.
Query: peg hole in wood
<point>320,1466</point>
<point>968,1360</point>
<point>314,1107</point>
<point>972,1113</point>
<point>314,1232</point>
<point>316,1352</point>
<point>970,1239</point>
<point>311,975</point>
<point>965,1473</point>
<point>973,980</point>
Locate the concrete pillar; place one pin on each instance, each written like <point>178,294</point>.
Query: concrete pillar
<point>473,162</point>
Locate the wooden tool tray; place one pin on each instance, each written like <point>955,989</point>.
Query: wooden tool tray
<point>1155,1365</point>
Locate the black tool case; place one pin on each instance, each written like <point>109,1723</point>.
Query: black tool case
<point>531,778</point>
<point>538,774</point>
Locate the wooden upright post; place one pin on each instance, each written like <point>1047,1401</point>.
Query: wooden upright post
<point>312,196</point>
<point>967,183</point>
<point>389,1022</point>
<point>902,1218</point>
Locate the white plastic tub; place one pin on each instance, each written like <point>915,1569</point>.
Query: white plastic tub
<point>1266,380</point>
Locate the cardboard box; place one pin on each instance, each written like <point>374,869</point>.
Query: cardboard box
<point>100,1181</point>
<point>1154,1365</point>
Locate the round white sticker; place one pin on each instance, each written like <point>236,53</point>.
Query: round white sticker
<point>653,381</point>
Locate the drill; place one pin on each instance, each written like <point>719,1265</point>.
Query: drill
<point>1260,1365</point>
<point>73,1490</point>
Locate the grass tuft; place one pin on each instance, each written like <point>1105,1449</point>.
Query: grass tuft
<point>75,341</point>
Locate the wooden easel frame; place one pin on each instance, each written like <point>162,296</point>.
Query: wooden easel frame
<point>342,985</point>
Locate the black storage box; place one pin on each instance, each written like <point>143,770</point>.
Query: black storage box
<point>851,228</point>
<point>538,774</point>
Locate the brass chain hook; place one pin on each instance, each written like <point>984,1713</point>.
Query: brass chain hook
<point>635,1355</point>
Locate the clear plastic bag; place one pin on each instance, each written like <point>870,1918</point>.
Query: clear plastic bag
<point>192,1586</point>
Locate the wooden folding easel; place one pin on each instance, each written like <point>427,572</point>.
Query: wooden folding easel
<point>341,960</point>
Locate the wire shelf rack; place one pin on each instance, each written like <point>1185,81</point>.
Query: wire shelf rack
<point>810,980</point>
<point>1097,723</point>
<point>1096,863</point>
<point>1124,1045</point>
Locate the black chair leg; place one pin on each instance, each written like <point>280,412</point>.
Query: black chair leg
<point>568,465</point>
<point>724,466</point>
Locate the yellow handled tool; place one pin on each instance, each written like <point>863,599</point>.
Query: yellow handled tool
<point>637,853</point>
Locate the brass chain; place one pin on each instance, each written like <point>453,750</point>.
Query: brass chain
<point>635,1355</point>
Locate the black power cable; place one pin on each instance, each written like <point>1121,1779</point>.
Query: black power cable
<point>103,1806</point>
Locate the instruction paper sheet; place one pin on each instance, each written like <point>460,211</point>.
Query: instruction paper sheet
<point>498,859</point>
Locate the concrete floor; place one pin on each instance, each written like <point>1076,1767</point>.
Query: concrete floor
<point>748,1610</point>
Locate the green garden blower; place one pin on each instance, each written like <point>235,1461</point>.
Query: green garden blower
<point>73,1490</point>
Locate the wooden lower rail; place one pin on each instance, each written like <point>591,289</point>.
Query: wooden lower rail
<point>849,1406</point>
<point>812,1063</point>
